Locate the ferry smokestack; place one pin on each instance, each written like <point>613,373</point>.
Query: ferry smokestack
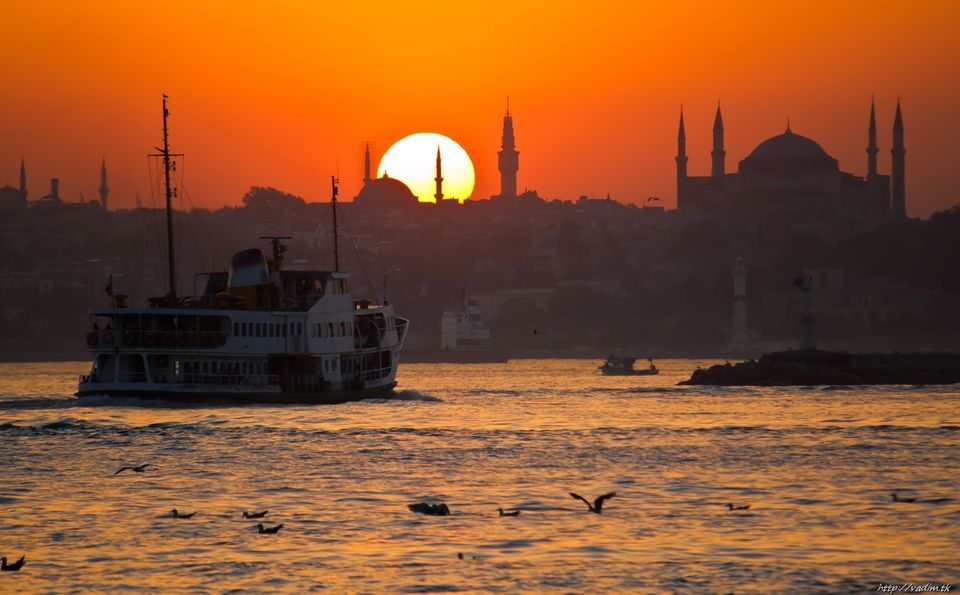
<point>55,187</point>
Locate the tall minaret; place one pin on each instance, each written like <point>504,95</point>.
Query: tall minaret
<point>438,180</point>
<point>366,164</point>
<point>718,153</point>
<point>508,159</point>
<point>898,204</point>
<point>681,153</point>
<point>104,190</point>
<point>872,144</point>
<point>23,179</point>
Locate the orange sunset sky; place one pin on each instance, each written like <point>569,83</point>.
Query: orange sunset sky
<point>282,93</point>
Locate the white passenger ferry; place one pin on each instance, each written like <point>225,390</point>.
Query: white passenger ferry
<point>256,333</point>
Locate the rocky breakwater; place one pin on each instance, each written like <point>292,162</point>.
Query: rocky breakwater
<point>815,367</point>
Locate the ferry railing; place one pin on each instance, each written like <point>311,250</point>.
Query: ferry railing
<point>401,330</point>
<point>376,373</point>
<point>231,379</point>
<point>168,339</point>
<point>206,379</point>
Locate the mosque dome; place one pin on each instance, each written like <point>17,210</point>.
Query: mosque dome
<point>385,190</point>
<point>788,153</point>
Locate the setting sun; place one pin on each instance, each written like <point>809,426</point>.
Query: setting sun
<point>413,160</point>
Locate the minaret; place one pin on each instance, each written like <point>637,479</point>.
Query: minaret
<point>508,159</point>
<point>872,149</point>
<point>898,206</point>
<point>23,179</point>
<point>681,153</point>
<point>681,161</point>
<point>104,190</point>
<point>718,153</point>
<point>366,164</point>
<point>438,180</point>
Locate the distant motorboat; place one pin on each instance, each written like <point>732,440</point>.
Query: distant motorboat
<point>623,366</point>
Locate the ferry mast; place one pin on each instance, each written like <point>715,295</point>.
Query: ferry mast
<point>169,193</point>
<point>336,240</point>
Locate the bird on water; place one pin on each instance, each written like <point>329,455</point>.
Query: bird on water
<point>509,512</point>
<point>430,509</point>
<point>182,515</point>
<point>16,566</point>
<point>894,497</point>
<point>139,469</point>
<point>597,506</point>
<point>732,506</point>
<point>255,515</point>
<point>262,530</point>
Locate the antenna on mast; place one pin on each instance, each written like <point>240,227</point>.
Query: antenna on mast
<point>169,193</point>
<point>336,240</point>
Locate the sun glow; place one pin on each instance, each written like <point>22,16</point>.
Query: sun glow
<point>413,161</point>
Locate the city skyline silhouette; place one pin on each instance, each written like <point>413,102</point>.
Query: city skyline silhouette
<point>595,119</point>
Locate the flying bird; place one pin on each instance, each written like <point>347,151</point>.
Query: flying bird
<point>16,566</point>
<point>255,515</point>
<point>511,512</point>
<point>261,529</point>
<point>731,506</point>
<point>897,498</point>
<point>139,469</point>
<point>597,505</point>
<point>181,515</point>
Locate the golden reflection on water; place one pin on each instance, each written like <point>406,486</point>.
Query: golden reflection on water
<point>816,465</point>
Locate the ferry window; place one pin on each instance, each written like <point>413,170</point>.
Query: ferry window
<point>283,328</point>
<point>271,330</point>
<point>329,329</point>
<point>236,328</point>
<point>299,328</point>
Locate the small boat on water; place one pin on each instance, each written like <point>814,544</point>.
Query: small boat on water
<point>623,366</point>
<point>257,332</point>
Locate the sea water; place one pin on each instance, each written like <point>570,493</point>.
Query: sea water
<point>817,466</point>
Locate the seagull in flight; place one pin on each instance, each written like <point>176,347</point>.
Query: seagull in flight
<point>139,469</point>
<point>597,505</point>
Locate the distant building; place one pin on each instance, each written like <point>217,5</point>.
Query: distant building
<point>385,192</point>
<point>508,159</point>
<point>15,199</point>
<point>52,199</point>
<point>791,179</point>
<point>104,190</point>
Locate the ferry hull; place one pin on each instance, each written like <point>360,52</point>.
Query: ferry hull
<point>238,397</point>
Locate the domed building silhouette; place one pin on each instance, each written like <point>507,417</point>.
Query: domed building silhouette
<point>382,192</point>
<point>790,181</point>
